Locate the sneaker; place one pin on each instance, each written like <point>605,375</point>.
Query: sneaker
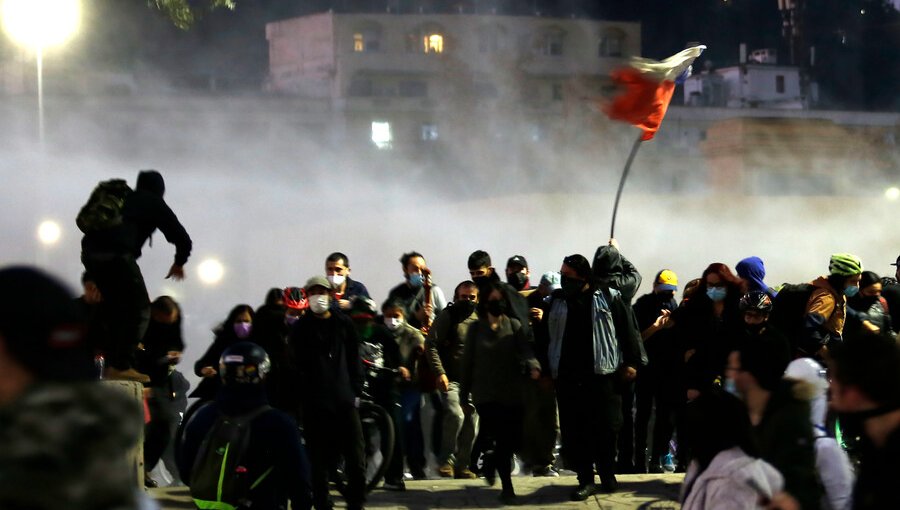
<point>445,471</point>
<point>464,474</point>
<point>130,374</point>
<point>419,474</point>
<point>668,463</point>
<point>509,498</point>
<point>149,482</point>
<point>548,471</point>
<point>398,485</point>
<point>488,470</point>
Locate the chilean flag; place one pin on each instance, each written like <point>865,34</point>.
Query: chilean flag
<point>649,86</point>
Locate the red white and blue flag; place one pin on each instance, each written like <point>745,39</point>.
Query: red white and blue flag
<point>649,86</point>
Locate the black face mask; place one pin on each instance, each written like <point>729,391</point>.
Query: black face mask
<point>570,286</point>
<point>482,282</point>
<point>517,280</point>
<point>496,307</point>
<point>755,329</point>
<point>462,309</point>
<point>862,303</point>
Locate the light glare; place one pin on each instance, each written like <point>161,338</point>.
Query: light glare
<point>41,23</point>
<point>210,271</point>
<point>892,193</point>
<point>49,232</point>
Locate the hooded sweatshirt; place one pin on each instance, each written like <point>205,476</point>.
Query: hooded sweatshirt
<point>733,480</point>
<point>613,270</point>
<point>753,270</point>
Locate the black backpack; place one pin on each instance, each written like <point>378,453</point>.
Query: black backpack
<point>103,209</point>
<point>220,479</point>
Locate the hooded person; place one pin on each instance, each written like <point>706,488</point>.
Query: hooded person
<point>832,463</point>
<point>867,312</point>
<point>612,269</point>
<point>110,255</point>
<point>64,438</point>
<point>753,271</point>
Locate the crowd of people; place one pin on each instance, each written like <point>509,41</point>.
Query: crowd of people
<point>764,396</point>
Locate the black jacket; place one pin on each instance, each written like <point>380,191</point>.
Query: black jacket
<point>663,353</point>
<point>144,212</point>
<point>712,338</point>
<point>325,355</point>
<point>446,341</point>
<point>158,341</point>
<point>876,482</point>
<point>209,386</point>
<point>274,442</point>
<point>354,289</point>
<point>612,269</point>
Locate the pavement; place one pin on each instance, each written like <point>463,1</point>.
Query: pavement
<point>656,491</point>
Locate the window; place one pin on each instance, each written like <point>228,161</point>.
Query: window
<point>489,39</point>
<point>359,44</point>
<point>550,43</point>
<point>367,39</point>
<point>361,87</point>
<point>779,84</point>
<point>434,43</point>
<point>611,44</point>
<point>381,134</point>
<point>557,92</point>
<point>429,132</point>
<point>413,88</point>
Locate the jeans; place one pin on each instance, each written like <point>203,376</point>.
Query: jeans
<point>458,430</point>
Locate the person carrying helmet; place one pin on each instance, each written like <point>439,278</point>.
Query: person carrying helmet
<point>829,297</point>
<point>272,457</point>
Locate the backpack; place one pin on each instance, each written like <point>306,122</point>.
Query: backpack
<point>219,478</point>
<point>103,209</point>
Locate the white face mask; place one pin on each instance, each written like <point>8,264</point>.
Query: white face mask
<point>319,304</point>
<point>392,323</point>
<point>336,280</point>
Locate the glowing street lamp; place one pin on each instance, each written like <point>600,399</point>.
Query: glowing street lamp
<point>892,193</point>
<point>39,24</point>
<point>49,233</point>
<point>210,271</point>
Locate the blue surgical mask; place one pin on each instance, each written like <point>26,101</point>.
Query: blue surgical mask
<point>851,291</point>
<point>731,387</point>
<point>716,293</point>
<point>416,280</point>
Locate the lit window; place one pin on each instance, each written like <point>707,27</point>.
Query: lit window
<point>434,43</point>
<point>381,135</point>
<point>429,132</point>
<point>359,44</point>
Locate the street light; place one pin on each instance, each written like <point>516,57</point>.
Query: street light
<point>39,24</point>
<point>210,271</point>
<point>49,232</point>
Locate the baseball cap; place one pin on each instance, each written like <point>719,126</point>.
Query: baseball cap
<point>551,279</point>
<point>317,281</point>
<point>897,262</point>
<point>518,260</point>
<point>666,280</point>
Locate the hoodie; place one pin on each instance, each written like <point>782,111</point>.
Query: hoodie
<point>733,480</point>
<point>612,269</point>
<point>753,270</point>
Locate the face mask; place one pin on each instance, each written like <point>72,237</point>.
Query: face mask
<point>336,280</point>
<point>392,323</point>
<point>716,293</point>
<point>319,304</point>
<point>242,329</point>
<point>755,329</point>
<point>416,280</point>
<point>482,282</point>
<point>462,309</point>
<point>851,291</point>
<point>570,286</point>
<point>496,307</point>
<point>731,387</point>
<point>517,280</point>
<point>290,319</point>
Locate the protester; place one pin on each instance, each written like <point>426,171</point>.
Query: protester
<point>725,471</point>
<point>865,390</point>
<point>110,255</point>
<point>324,349</point>
<point>272,460</point>
<point>162,348</point>
<point>753,271</point>
<point>828,301</point>
<point>658,384</point>
<point>411,293</point>
<point>484,274</point>
<point>867,312</point>
<point>64,438</point>
<point>238,326</point>
<point>337,271</point>
<point>517,275</point>
<point>444,346</point>
<point>497,358</point>
<point>779,412</point>
<point>891,293</point>
<point>593,349</point>
<point>832,463</point>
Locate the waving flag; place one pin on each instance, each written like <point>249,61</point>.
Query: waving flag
<point>649,86</point>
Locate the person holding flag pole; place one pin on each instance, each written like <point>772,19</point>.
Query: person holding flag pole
<point>648,88</point>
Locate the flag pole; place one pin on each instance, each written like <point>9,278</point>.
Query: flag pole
<point>634,149</point>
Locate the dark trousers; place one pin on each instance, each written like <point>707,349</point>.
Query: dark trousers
<point>125,310</point>
<point>411,430</point>
<point>158,433</point>
<point>328,436</point>
<point>653,391</point>
<point>541,424</point>
<point>590,417</point>
<point>390,401</point>
<point>626,457</point>
<point>500,434</point>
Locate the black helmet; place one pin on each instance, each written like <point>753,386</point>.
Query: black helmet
<point>756,301</point>
<point>363,308</point>
<point>244,363</point>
